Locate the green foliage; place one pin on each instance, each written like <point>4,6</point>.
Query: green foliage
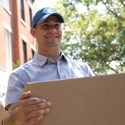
<point>17,64</point>
<point>94,35</point>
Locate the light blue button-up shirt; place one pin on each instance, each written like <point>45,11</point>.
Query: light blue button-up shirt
<point>42,68</point>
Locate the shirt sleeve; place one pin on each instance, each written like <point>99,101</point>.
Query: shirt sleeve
<point>84,68</point>
<point>15,87</point>
<point>89,71</point>
<point>80,68</point>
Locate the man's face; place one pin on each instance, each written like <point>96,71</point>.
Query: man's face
<point>49,33</point>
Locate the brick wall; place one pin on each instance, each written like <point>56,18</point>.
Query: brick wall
<point>10,20</point>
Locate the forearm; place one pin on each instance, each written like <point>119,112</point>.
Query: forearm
<point>7,120</point>
<point>10,119</point>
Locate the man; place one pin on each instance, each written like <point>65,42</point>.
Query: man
<point>49,63</point>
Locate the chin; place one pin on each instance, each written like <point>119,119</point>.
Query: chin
<point>54,44</point>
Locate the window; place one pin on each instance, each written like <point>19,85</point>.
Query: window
<point>32,1</point>
<point>22,9</point>
<point>0,2</point>
<point>24,51</point>
<point>8,51</point>
<point>30,12</point>
<point>6,4</point>
<point>33,53</point>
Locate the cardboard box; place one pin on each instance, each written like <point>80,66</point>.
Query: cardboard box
<point>2,113</point>
<point>98,100</point>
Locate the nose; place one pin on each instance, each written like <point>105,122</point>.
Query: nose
<point>52,29</point>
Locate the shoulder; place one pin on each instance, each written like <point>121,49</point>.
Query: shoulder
<point>82,66</point>
<point>22,68</point>
<point>20,72</point>
<point>78,63</point>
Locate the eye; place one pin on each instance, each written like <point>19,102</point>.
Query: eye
<point>57,26</point>
<point>45,26</point>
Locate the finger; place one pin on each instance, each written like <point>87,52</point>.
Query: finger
<point>43,100</point>
<point>25,95</point>
<point>37,113</point>
<point>37,106</point>
<point>34,120</point>
<point>33,101</point>
<point>25,103</point>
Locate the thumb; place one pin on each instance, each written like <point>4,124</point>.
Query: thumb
<point>25,95</point>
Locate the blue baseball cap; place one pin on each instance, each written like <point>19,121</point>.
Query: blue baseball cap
<point>43,14</point>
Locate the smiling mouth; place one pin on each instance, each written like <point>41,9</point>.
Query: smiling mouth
<point>52,37</point>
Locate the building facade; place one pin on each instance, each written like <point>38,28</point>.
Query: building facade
<point>17,46</point>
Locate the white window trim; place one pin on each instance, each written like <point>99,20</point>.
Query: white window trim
<point>24,38</point>
<point>8,11</point>
<point>2,66</point>
<point>7,27</point>
<point>32,47</point>
<point>9,52</point>
<point>30,4</point>
<point>7,8</point>
<point>23,22</point>
<point>1,2</point>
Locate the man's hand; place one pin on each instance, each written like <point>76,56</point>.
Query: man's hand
<point>28,110</point>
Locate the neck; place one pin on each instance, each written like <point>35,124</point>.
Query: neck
<point>51,53</point>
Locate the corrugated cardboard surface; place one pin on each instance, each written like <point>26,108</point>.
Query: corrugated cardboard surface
<point>96,100</point>
<point>2,112</point>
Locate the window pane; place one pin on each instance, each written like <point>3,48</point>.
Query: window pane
<point>22,9</point>
<point>24,51</point>
<point>0,1</point>
<point>33,52</point>
<point>30,12</point>
<point>8,52</point>
<point>6,4</point>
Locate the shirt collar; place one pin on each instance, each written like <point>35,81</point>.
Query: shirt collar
<point>41,60</point>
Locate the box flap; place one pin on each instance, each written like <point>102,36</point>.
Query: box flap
<point>98,100</point>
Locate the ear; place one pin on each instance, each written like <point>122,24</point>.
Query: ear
<point>33,32</point>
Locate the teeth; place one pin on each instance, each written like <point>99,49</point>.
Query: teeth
<point>50,36</point>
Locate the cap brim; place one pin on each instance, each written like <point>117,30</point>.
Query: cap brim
<point>46,16</point>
